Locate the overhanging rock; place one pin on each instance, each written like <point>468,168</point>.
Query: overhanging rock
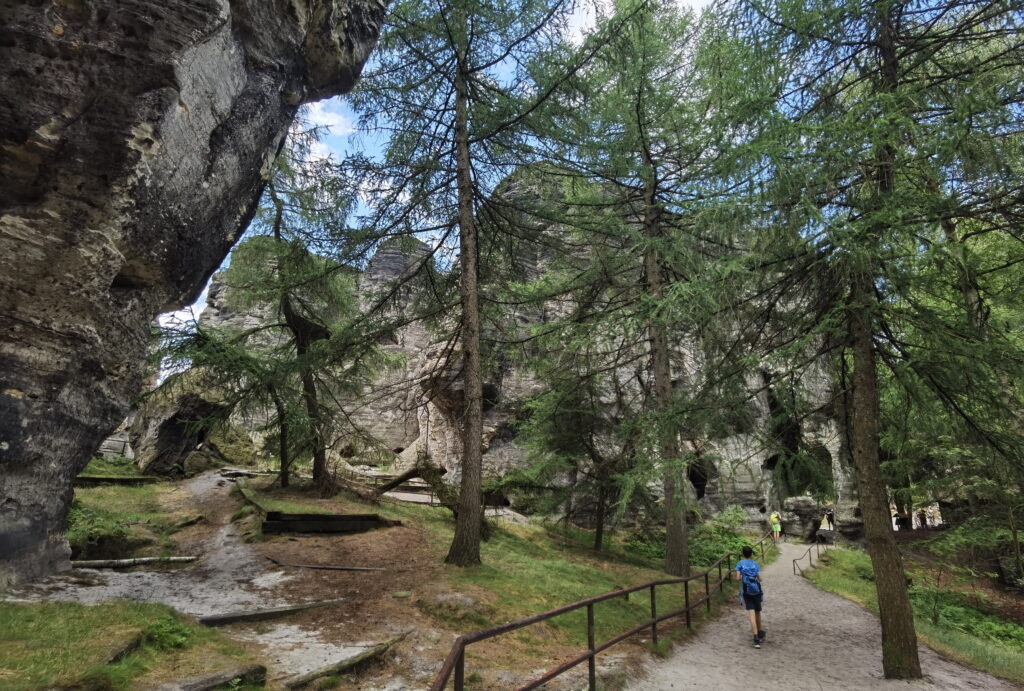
<point>133,141</point>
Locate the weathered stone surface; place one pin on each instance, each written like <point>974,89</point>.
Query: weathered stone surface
<point>134,135</point>
<point>168,431</point>
<point>412,411</point>
<point>801,516</point>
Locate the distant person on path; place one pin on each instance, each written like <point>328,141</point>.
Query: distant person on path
<point>922,518</point>
<point>776,523</point>
<point>748,573</point>
<point>830,516</point>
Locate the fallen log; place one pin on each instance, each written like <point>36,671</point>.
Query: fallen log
<point>242,472</point>
<point>344,665</point>
<point>398,480</point>
<point>265,614</point>
<point>326,567</point>
<point>126,563</point>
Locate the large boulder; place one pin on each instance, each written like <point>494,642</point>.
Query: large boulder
<point>801,516</point>
<point>136,136</point>
<point>170,428</point>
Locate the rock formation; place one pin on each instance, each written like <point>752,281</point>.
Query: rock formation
<point>412,413</point>
<point>134,136</point>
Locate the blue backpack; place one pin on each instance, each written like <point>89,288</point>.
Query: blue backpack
<point>748,574</point>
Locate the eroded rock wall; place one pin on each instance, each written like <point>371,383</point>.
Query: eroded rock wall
<point>132,139</point>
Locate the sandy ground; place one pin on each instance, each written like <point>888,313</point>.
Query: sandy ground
<point>816,640</point>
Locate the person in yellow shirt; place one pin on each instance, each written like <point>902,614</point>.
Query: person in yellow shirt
<point>776,522</point>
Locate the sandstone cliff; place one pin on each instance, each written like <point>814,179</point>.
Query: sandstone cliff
<point>412,413</point>
<point>134,135</point>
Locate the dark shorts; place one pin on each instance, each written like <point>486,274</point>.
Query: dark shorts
<point>753,601</point>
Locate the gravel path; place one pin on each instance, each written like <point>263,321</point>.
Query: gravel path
<point>816,640</point>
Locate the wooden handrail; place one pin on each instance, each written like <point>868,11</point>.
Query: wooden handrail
<point>455,662</point>
<point>817,547</point>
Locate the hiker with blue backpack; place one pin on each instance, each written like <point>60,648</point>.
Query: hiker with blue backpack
<point>748,573</point>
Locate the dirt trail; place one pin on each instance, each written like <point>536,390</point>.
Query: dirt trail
<point>229,576</point>
<point>816,640</point>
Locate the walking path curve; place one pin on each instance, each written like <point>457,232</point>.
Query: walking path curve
<point>816,640</point>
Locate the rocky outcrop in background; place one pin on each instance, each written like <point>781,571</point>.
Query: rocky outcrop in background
<point>134,136</point>
<point>412,412</point>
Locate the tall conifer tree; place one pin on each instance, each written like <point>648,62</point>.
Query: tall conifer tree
<point>869,157</point>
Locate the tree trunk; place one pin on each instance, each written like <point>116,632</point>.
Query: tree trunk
<point>899,640</point>
<point>677,549</point>
<point>302,333</point>
<point>599,516</point>
<point>465,548</point>
<point>282,438</point>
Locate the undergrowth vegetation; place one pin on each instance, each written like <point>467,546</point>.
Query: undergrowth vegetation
<point>112,466</point>
<point>945,618</point>
<point>104,517</point>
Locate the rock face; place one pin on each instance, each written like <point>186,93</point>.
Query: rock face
<point>412,413</point>
<point>134,136</point>
<point>166,431</point>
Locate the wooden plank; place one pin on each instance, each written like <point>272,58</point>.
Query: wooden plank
<point>253,675</point>
<point>339,517</point>
<point>126,563</point>
<point>272,527</point>
<point>326,567</point>
<point>127,480</point>
<point>265,614</point>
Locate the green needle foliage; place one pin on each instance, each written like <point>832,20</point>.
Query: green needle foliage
<point>893,149</point>
<point>311,353</point>
<point>447,93</point>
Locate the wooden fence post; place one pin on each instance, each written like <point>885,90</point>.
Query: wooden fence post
<point>592,662</point>
<point>686,598</point>
<point>654,616</point>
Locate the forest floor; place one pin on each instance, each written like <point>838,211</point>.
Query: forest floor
<point>414,593</point>
<point>816,640</point>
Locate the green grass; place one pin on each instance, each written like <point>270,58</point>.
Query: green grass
<point>48,644</point>
<point>848,573</point>
<point>116,466</point>
<point>118,511</point>
<point>266,501</point>
<point>528,569</point>
<point>528,574</point>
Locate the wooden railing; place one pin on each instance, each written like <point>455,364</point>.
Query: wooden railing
<point>455,663</point>
<point>817,548</point>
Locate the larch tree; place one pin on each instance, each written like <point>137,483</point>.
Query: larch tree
<point>446,94</point>
<point>632,152</point>
<point>889,123</point>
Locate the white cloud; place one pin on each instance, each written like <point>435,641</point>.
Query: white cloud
<point>328,114</point>
<point>584,18</point>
